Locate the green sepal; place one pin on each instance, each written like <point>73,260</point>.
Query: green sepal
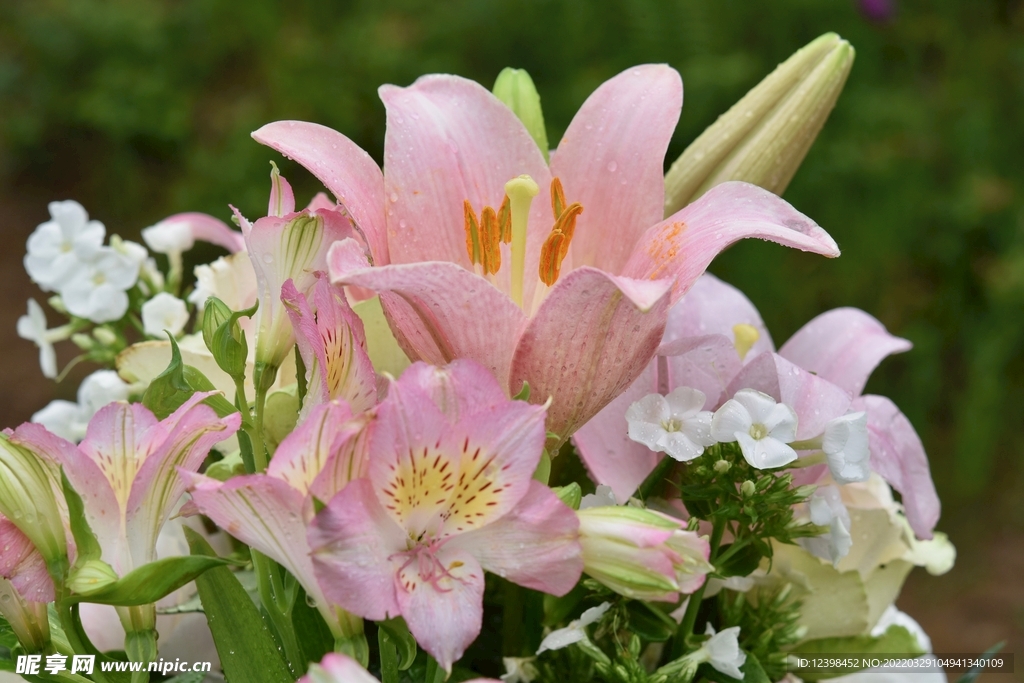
<point>741,563</point>
<point>229,346</point>
<point>152,581</point>
<point>570,494</point>
<point>516,90</point>
<point>86,545</point>
<point>524,393</point>
<point>399,636</point>
<point>543,471</point>
<point>896,640</point>
<point>176,384</point>
<point>246,648</point>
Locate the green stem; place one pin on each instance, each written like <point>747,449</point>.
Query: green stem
<point>512,620</point>
<point>655,478</point>
<point>65,613</point>
<point>690,617</point>
<point>278,607</point>
<point>388,658</point>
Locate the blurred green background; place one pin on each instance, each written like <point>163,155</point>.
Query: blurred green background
<point>142,108</point>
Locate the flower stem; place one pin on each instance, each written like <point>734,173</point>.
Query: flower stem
<point>278,606</point>
<point>690,617</point>
<point>512,620</point>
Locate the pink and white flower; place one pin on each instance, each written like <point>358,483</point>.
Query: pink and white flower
<point>448,494</point>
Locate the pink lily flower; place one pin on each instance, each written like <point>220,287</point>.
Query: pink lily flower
<point>820,373</point>
<point>270,511</point>
<point>332,344</point>
<point>125,472</point>
<point>448,494</point>
<point>337,668</point>
<point>178,233</point>
<point>570,295</point>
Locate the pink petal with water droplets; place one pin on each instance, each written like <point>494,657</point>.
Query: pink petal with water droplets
<point>684,244</point>
<point>843,346</point>
<point>341,669</point>
<point>897,454</point>
<point>459,388</point>
<point>705,363</point>
<point>22,564</point>
<point>611,159</point>
<point>345,169</point>
<point>590,339</point>
<point>535,545</point>
<point>715,307</point>
<point>815,400</point>
<point>303,453</point>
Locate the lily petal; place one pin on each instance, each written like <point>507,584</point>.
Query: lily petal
<point>343,167</point>
<point>897,454</point>
<point>591,338</point>
<point>707,363</point>
<point>843,346</point>
<point>712,306</point>
<point>445,614</point>
<point>206,228</point>
<point>440,312</point>
<point>815,400</point>
<point>611,160</point>
<point>535,545</point>
<point>458,389</point>
<point>684,244</point>
<point>351,540</point>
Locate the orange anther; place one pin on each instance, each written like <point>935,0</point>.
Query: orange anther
<point>557,198</point>
<point>472,234</point>
<point>490,241</point>
<point>505,220</point>
<point>551,255</point>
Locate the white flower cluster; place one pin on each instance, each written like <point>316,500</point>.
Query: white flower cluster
<point>69,420</point>
<point>765,430</point>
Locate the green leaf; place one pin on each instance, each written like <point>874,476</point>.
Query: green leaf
<point>88,548</point>
<point>895,641</point>
<point>176,384</point>
<point>741,563</point>
<point>153,581</point>
<point>190,677</point>
<point>435,674</point>
<point>972,674</point>
<point>246,648</point>
<point>650,623</point>
<point>400,637</point>
<point>556,609</point>
<point>311,631</point>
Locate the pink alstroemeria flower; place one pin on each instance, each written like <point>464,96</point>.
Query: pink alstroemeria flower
<point>270,511</point>
<point>332,343</point>
<point>447,495</point>
<point>573,296</point>
<point>25,586</point>
<point>125,470</point>
<point>820,373</point>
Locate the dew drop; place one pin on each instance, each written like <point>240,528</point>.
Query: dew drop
<point>267,258</point>
<point>612,166</point>
<point>401,223</point>
<point>394,197</point>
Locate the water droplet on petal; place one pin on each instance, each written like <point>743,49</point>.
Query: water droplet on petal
<point>401,223</point>
<point>612,166</point>
<point>394,197</point>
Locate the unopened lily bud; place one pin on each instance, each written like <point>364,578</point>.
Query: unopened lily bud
<point>516,90</point>
<point>641,554</point>
<point>215,314</point>
<point>27,497</point>
<point>765,136</point>
<point>92,577</point>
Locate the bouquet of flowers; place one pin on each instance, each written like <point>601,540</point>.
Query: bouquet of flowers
<point>479,413</point>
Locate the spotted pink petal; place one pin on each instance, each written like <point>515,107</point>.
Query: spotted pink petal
<point>611,160</point>
<point>440,311</point>
<point>897,454</point>
<point>450,140</point>
<point>459,388</point>
<point>22,564</point>
<point>611,457</point>
<point>263,512</point>
<point>206,228</point>
<point>815,400</point>
<point>443,614</point>
<point>343,167</point>
<point>843,346</point>
<point>182,441</point>
<point>684,244</point>
<point>352,541</point>
<point>535,545</point>
<point>715,307</point>
<point>590,339</point>
<point>333,347</point>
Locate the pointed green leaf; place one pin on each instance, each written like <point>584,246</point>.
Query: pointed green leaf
<point>153,581</point>
<point>399,635</point>
<point>88,548</point>
<point>246,648</point>
<point>896,640</point>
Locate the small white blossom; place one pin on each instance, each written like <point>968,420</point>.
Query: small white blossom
<point>164,312</point>
<point>722,651</point>
<point>63,418</point>
<point>845,443</point>
<point>762,427</point>
<point>32,327</point>
<point>101,388</point>
<point>827,510</point>
<point>575,631</point>
<point>169,237</point>
<point>57,247</point>
<point>674,424</point>
<point>69,420</point>
<point>602,497</point>
<point>519,670</point>
<point>97,291</point>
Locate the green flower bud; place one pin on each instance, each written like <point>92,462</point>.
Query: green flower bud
<point>748,488</point>
<point>571,495</point>
<point>515,88</point>
<point>215,314</point>
<point>722,466</point>
<point>27,485</point>
<point>765,136</point>
<point>92,577</point>
<point>105,335</point>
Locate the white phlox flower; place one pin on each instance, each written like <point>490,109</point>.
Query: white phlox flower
<point>674,424</point>
<point>762,427</point>
<point>69,420</point>
<point>57,248</point>
<point>519,670</point>
<point>722,651</point>
<point>845,443</point>
<point>575,631</point>
<point>32,326</point>
<point>169,237</point>
<point>603,496</point>
<point>164,312</point>
<point>826,509</point>
<point>98,289</point>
